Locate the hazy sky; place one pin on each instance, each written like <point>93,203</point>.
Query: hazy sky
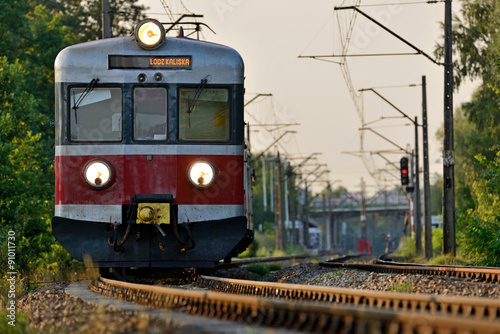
<point>271,34</point>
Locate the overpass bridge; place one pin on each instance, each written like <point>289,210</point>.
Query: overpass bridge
<point>338,221</point>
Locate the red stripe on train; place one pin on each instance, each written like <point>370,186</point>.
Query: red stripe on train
<point>163,174</point>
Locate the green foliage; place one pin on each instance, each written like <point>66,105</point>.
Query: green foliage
<point>476,43</point>
<point>334,273</point>
<point>407,246</point>
<point>26,184</point>
<point>483,221</point>
<point>84,18</point>
<point>33,32</point>
<point>260,270</point>
<point>475,40</point>
<point>21,322</point>
<point>437,241</point>
<point>403,287</point>
<point>251,251</point>
<point>448,260</point>
<point>437,195</point>
<point>266,246</point>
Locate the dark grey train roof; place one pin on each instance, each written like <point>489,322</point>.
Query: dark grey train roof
<point>86,61</point>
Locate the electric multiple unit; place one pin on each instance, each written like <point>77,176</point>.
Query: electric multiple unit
<point>150,157</point>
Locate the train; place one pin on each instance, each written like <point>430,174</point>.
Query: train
<point>151,160</point>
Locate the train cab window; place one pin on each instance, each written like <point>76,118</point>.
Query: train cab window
<point>150,113</point>
<point>95,115</point>
<point>204,114</point>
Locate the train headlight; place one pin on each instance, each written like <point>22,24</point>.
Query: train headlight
<point>201,174</point>
<point>150,34</point>
<point>97,174</point>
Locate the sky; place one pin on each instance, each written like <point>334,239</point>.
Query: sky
<point>270,35</point>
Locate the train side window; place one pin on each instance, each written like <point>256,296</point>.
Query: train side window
<point>204,114</point>
<point>150,113</point>
<point>95,115</point>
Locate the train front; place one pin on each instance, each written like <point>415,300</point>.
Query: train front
<point>149,156</point>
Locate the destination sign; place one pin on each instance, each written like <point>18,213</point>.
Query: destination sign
<point>126,62</point>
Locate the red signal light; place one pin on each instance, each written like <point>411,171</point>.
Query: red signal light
<point>405,177</point>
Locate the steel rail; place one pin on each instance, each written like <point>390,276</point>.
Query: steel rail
<point>270,259</point>
<point>302,316</point>
<point>478,308</point>
<point>485,274</point>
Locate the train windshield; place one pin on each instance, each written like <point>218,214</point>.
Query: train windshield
<point>204,114</point>
<point>96,115</point>
<point>150,113</point>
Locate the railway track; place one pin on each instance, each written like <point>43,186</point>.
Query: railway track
<point>483,274</point>
<point>478,308</point>
<point>267,259</point>
<point>314,309</point>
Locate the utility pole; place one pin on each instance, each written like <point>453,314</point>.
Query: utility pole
<point>264,183</point>
<point>307,242</point>
<point>449,239</point>
<point>333,220</point>
<point>106,20</point>
<point>277,205</point>
<point>326,234</point>
<point>283,206</point>
<point>271,182</point>
<point>289,173</point>
<point>418,225</point>
<point>427,189</point>
<point>449,246</point>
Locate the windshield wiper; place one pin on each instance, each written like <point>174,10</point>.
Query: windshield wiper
<point>197,94</point>
<point>76,103</point>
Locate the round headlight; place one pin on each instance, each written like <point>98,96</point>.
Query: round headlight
<point>201,174</point>
<point>97,174</point>
<point>149,34</point>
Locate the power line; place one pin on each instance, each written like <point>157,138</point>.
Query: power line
<point>402,3</point>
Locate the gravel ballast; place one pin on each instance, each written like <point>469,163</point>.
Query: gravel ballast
<point>52,310</point>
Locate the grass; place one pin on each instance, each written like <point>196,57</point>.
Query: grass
<point>407,249</point>
<point>25,282</point>
<point>334,273</point>
<point>447,259</point>
<point>259,270</point>
<point>403,287</point>
<point>266,247</point>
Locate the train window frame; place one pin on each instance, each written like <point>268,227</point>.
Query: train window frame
<point>116,122</point>
<point>164,137</point>
<point>228,120</point>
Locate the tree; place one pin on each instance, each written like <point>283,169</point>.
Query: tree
<point>33,32</point>
<point>26,185</point>
<point>483,222</point>
<point>437,194</point>
<point>476,41</point>
<point>84,18</point>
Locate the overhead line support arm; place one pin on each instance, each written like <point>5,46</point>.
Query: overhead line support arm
<point>390,32</point>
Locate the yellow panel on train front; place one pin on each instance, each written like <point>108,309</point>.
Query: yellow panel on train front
<point>153,213</point>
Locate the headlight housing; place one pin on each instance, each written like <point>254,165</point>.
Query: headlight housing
<point>149,34</point>
<point>201,174</point>
<point>98,174</point>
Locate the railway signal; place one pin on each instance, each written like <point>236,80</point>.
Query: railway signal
<point>405,178</point>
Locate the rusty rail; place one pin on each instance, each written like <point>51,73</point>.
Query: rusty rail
<point>302,316</point>
<point>484,274</point>
<point>478,308</point>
